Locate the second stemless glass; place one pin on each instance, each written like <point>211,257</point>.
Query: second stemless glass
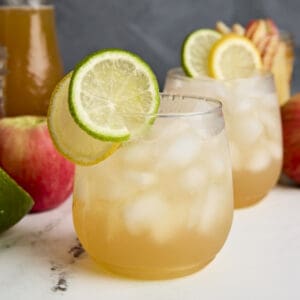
<point>253,125</point>
<point>161,206</point>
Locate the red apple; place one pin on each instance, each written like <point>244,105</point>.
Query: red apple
<point>260,31</point>
<point>261,28</point>
<point>272,27</point>
<point>250,28</point>
<point>27,154</point>
<point>264,34</point>
<point>291,137</point>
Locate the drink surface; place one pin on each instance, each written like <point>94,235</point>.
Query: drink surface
<point>34,64</point>
<point>160,206</point>
<point>253,125</point>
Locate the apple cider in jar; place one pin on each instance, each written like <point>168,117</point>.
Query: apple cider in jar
<point>34,64</point>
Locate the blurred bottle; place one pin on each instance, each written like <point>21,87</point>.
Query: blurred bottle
<point>27,30</point>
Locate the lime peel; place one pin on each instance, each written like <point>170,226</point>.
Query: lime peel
<point>195,51</point>
<point>15,202</point>
<point>105,71</point>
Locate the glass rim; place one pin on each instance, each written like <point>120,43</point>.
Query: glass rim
<point>173,73</point>
<point>215,110</point>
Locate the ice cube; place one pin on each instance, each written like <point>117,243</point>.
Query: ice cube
<point>145,210</point>
<point>276,149</point>
<point>217,142</point>
<point>81,189</point>
<point>150,213</point>
<point>217,166</point>
<point>193,178</point>
<point>204,86</point>
<point>173,85</point>
<point>167,228</point>
<point>271,122</point>
<point>136,153</point>
<point>236,156</point>
<point>89,181</point>
<point>242,105</point>
<point>140,178</point>
<point>157,131</point>
<point>259,160</point>
<point>165,129</point>
<point>207,127</point>
<point>246,130</point>
<point>212,205</point>
<point>270,101</point>
<point>212,89</point>
<point>115,190</point>
<point>254,86</point>
<point>195,211</point>
<point>181,151</point>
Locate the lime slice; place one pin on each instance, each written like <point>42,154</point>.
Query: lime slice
<point>234,56</point>
<point>195,51</point>
<point>70,140</point>
<point>15,203</point>
<point>113,94</point>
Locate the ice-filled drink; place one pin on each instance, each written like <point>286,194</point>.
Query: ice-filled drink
<point>161,206</point>
<point>253,125</point>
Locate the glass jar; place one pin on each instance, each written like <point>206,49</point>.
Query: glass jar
<point>3,59</point>
<point>161,206</point>
<point>253,125</point>
<point>27,30</point>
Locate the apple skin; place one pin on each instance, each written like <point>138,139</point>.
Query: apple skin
<point>290,114</point>
<point>28,155</point>
<point>268,25</point>
<point>272,27</point>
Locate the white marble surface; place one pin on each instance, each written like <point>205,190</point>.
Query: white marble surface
<point>40,258</point>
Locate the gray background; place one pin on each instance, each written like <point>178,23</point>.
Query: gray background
<point>154,29</point>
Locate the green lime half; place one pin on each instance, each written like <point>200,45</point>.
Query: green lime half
<point>15,203</point>
<point>113,94</point>
<point>70,140</point>
<point>195,51</point>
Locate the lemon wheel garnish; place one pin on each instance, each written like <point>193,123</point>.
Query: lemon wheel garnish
<point>233,56</point>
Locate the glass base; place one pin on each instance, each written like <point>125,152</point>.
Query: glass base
<point>248,201</point>
<point>153,274</point>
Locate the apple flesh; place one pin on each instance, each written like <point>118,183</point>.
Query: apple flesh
<point>290,113</point>
<point>261,28</point>
<point>28,155</point>
<point>265,36</point>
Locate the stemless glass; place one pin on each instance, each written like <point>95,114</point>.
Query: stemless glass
<point>253,126</point>
<point>161,206</point>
